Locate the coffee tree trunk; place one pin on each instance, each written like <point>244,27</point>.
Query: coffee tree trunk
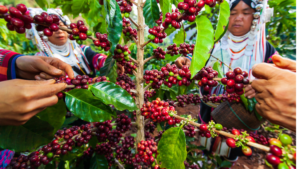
<point>139,76</point>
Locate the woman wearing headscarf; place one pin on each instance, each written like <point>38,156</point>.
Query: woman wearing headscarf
<point>83,59</point>
<point>243,45</point>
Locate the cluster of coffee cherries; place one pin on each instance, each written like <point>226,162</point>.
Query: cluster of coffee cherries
<point>123,123</point>
<point>125,7</point>
<point>79,31</point>
<point>184,100</point>
<point>129,67</point>
<point>106,150</point>
<point>114,137</point>
<point>103,149</point>
<point>191,9</point>
<point>233,97</point>
<point>205,77</point>
<point>127,30</point>
<point>43,19</point>
<point>173,50</point>
<point>186,49</point>
<point>204,132</point>
<point>159,53</point>
<point>231,142</point>
<point>173,20</point>
<point>189,130</point>
<point>123,152</point>
<point>278,149</point>
<point>235,81</point>
<point>158,111</point>
<point>102,41</point>
<point>126,83</point>
<point>159,21</point>
<point>259,138</point>
<point>157,34</point>
<point>88,153</point>
<point>103,130</point>
<point>122,55</point>
<point>174,75</point>
<point>171,102</point>
<point>80,82</point>
<point>183,49</point>
<point>146,151</point>
<point>148,94</point>
<point>150,127</point>
<point>61,145</point>
<point>154,76</point>
<point>17,19</point>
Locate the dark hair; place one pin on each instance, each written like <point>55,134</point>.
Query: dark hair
<point>250,3</point>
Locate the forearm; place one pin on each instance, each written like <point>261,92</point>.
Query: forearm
<point>8,64</point>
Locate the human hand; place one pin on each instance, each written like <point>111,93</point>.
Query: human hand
<point>22,99</point>
<point>276,94</point>
<point>120,69</point>
<point>284,63</point>
<point>182,61</point>
<point>41,67</point>
<point>249,92</point>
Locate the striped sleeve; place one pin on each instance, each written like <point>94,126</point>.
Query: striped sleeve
<point>8,64</point>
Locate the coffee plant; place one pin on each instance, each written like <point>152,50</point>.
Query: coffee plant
<point>119,114</point>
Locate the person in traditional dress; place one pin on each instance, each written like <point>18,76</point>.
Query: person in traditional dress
<point>243,45</point>
<point>83,59</point>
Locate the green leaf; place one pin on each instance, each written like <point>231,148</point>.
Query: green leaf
<point>169,31</point>
<point>151,12</point>
<point>54,115</point>
<point>50,165</point>
<point>84,105</point>
<point>182,89</point>
<point>179,37</point>
<point>92,17</point>
<point>218,68</point>
<point>168,57</point>
<point>115,28</point>
<point>207,9</point>
<point>165,6</point>
<point>76,152</point>
<point>158,127</point>
<point>77,6</point>
<point>113,74</point>
<point>98,162</point>
<point>108,65</point>
<point>68,121</point>
<point>110,93</point>
<point>26,137</point>
<point>226,164</point>
<point>172,149</point>
<point>176,2</point>
<point>93,142</point>
<point>204,43</point>
<point>43,3</point>
<point>245,101</point>
<point>223,20</point>
<point>112,10</point>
